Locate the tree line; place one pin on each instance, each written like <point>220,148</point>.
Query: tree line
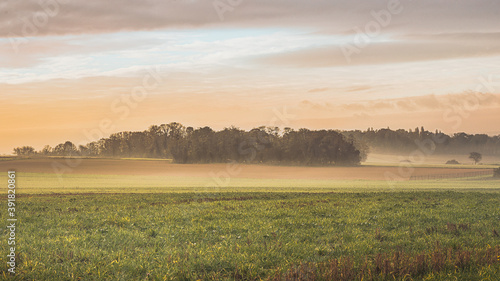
<point>204,145</point>
<point>397,141</point>
<point>267,145</point>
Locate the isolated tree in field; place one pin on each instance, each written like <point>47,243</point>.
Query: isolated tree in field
<point>476,156</point>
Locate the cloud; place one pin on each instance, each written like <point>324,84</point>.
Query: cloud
<point>39,50</point>
<point>62,17</point>
<point>463,101</point>
<point>414,49</point>
<point>317,90</point>
<point>358,88</point>
<point>82,54</point>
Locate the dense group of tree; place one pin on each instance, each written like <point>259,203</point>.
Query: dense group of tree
<point>204,145</point>
<point>390,141</point>
<point>269,145</point>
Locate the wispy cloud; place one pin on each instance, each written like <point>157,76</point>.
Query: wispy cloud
<point>83,17</point>
<point>407,104</point>
<point>413,49</point>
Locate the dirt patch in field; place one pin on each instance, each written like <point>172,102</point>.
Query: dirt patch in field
<point>164,168</point>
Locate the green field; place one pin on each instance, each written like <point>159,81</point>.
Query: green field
<point>139,227</point>
<point>252,236</point>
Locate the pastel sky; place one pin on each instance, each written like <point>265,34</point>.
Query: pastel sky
<point>79,70</point>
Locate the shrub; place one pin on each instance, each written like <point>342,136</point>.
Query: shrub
<point>496,173</point>
<point>452,162</point>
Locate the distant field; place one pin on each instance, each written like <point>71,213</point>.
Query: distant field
<point>435,159</point>
<point>38,183</point>
<point>165,168</point>
<point>143,176</point>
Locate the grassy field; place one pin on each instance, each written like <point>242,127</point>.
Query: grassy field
<point>104,226</point>
<point>257,236</point>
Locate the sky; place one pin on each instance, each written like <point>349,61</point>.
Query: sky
<point>81,70</point>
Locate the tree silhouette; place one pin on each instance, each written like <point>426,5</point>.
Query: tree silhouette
<point>476,156</point>
<point>24,151</point>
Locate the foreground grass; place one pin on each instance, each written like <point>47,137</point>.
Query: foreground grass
<point>248,236</point>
